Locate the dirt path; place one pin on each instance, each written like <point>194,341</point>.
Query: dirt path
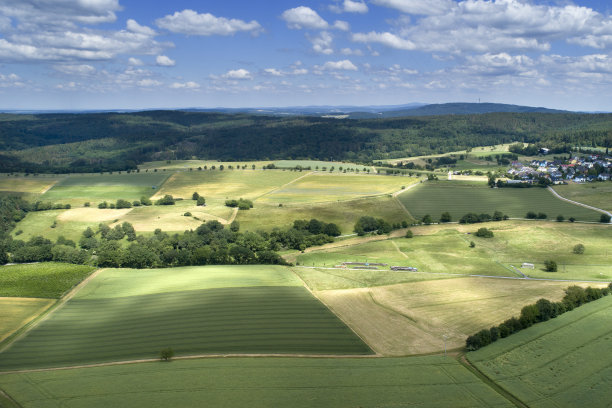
<point>284,185</point>
<point>577,203</point>
<point>233,217</point>
<point>49,187</point>
<point>398,249</point>
<point>61,302</point>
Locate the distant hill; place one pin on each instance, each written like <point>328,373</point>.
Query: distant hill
<point>457,108</point>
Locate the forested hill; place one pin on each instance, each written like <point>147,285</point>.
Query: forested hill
<point>118,141</point>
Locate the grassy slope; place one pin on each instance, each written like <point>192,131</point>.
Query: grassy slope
<point>240,382</point>
<point>459,198</point>
<point>598,195</point>
<point>131,314</point>
<point>30,184</point>
<point>412,318</point>
<point>564,362</point>
<point>42,280</point>
<point>15,312</point>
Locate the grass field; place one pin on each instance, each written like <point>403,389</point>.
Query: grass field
<point>217,186</point>
<point>194,164</point>
<point>566,361</point>
<point>320,187</point>
<point>313,164</point>
<point>265,216</point>
<point>95,188</point>
<point>597,195</point>
<point>69,223</point>
<point>445,249</point>
<point>41,280</point>
<point>16,312</point>
<point>133,314</point>
<point>460,198</point>
<point>258,382</point>
<point>412,318</point>
<point>31,184</point>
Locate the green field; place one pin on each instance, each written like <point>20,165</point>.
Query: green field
<point>39,223</point>
<point>124,315</point>
<point>265,216</point>
<point>318,165</point>
<point>460,198</point>
<point>320,187</point>
<point>78,189</point>
<point>257,382</point>
<point>33,185</point>
<point>41,280</point>
<point>566,361</point>
<point>15,312</point>
<point>597,195</point>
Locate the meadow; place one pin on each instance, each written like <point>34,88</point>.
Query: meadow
<point>432,381</point>
<point>31,185</point>
<point>124,316</point>
<point>598,195</point>
<point>321,165</point>
<point>77,189</point>
<point>413,318</point>
<point>566,361</point>
<point>459,198</point>
<point>16,312</point>
<point>48,280</point>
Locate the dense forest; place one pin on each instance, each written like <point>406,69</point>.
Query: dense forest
<point>120,141</point>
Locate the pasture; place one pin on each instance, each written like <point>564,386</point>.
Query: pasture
<point>322,165</point>
<point>194,164</point>
<point>598,195</point>
<point>257,382</point>
<point>124,315</point>
<point>266,216</point>
<point>566,361</point>
<point>69,223</point>
<point>412,318</point>
<point>31,185</point>
<point>16,312</point>
<point>459,198</point>
<point>76,189</point>
<point>321,187</point>
<point>41,280</point>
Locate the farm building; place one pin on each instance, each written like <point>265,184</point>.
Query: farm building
<point>528,265</point>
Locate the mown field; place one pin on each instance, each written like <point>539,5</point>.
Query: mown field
<point>41,280</point>
<point>598,195</point>
<point>124,315</point>
<point>258,382</point>
<point>459,198</point>
<point>566,361</point>
<point>413,318</point>
<point>95,188</point>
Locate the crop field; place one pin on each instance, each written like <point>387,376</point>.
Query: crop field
<point>257,382</point>
<point>320,187</point>
<point>95,188</point>
<point>32,184</point>
<point>217,185</point>
<point>320,165</point>
<point>266,216</point>
<point>16,312</point>
<point>566,361</point>
<point>598,195</point>
<point>412,318</point>
<point>124,315</point>
<point>41,280</point>
<point>460,198</point>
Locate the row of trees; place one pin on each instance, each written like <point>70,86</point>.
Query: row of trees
<point>541,311</point>
<point>367,224</point>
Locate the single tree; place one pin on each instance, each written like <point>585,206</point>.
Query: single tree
<point>166,354</point>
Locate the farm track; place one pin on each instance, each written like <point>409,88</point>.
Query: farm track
<point>577,203</point>
<point>284,185</point>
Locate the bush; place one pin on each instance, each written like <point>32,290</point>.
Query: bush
<point>166,354</point>
<point>572,219</point>
<point>605,218</point>
<point>195,196</point>
<point>445,217</point>
<point>531,215</point>
<point>165,200</point>
<point>409,234</point>
<point>542,216</point>
<point>472,244</point>
<point>103,205</point>
<point>121,203</point>
<point>427,219</point>
<point>145,201</point>
<point>201,201</point>
<point>578,249</point>
<point>560,218</point>
<point>187,214</point>
<point>484,233</point>
<point>550,266</point>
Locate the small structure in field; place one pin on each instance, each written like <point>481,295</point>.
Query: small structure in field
<point>528,265</point>
<point>404,268</point>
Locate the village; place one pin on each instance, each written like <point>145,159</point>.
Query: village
<point>585,169</point>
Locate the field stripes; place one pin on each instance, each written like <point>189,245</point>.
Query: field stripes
<point>228,320</point>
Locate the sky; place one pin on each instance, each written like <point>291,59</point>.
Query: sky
<point>145,54</point>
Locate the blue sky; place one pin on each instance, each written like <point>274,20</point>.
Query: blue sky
<point>136,54</point>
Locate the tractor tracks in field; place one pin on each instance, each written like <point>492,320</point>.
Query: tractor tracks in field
<point>578,203</point>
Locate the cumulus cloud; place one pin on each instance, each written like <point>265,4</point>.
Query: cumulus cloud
<point>135,62</point>
<point>273,72</point>
<point>185,85</point>
<point>134,27</point>
<point>238,74</point>
<point>388,39</point>
<point>344,65</point>
<point>190,22</point>
<point>341,25</point>
<point>164,61</point>
<point>304,17</point>
<point>351,6</point>
<point>82,69</point>
<point>425,7</point>
<point>146,83</point>
<point>322,43</point>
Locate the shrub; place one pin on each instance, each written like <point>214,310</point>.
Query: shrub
<point>145,201</point>
<point>445,217</point>
<point>572,219</point>
<point>484,233</point>
<point>560,218</point>
<point>165,200</point>
<point>195,196</point>
<point>427,219</point>
<point>578,249</point>
<point>605,218</point>
<point>187,214</point>
<point>121,203</point>
<point>166,354</point>
<point>542,216</point>
<point>201,201</point>
<point>472,244</point>
<point>550,266</point>
<point>409,234</point>
<point>103,205</point>
<point>531,215</point>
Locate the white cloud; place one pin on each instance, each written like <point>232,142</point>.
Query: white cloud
<point>349,51</point>
<point>185,85</point>
<point>238,74</point>
<point>344,65</point>
<point>134,27</point>
<point>273,72</point>
<point>164,61</point>
<point>300,71</point>
<point>423,7</point>
<point>135,62</point>
<point>304,17</point>
<point>82,69</point>
<point>351,6</point>
<point>341,25</point>
<point>190,22</point>
<point>146,83</point>
<point>388,39</point>
<point>322,43</point>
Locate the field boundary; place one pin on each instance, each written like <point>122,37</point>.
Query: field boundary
<point>7,402</point>
<point>284,185</point>
<point>577,203</point>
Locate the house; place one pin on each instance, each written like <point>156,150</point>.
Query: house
<point>580,179</point>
